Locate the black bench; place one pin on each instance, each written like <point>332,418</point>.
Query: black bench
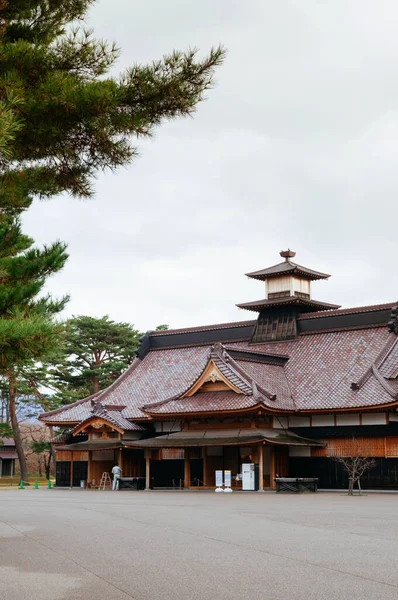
<point>132,483</point>
<point>296,484</point>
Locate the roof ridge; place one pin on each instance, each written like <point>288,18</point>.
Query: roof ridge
<point>376,364</point>
<point>384,383</point>
<point>349,310</point>
<point>254,352</point>
<point>50,413</point>
<point>202,328</point>
<point>243,373</point>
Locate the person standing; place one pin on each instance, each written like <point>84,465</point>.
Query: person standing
<point>116,472</point>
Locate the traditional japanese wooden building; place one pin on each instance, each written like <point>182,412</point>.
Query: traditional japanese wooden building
<point>8,456</point>
<point>285,391</point>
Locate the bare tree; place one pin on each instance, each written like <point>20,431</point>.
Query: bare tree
<point>356,464</point>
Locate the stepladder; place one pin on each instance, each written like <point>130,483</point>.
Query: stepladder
<point>105,482</point>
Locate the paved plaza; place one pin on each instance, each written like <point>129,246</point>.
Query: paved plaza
<point>78,544</point>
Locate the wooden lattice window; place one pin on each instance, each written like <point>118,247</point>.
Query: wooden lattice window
<point>392,447</point>
<point>351,447</point>
<point>171,453</point>
<point>275,325</point>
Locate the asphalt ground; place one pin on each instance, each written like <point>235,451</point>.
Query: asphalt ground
<point>102,545</point>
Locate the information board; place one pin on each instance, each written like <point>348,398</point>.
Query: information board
<point>227,478</point>
<point>219,479</point>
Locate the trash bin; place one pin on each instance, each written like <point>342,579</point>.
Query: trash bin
<point>82,483</point>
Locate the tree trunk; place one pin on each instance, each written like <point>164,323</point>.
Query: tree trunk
<point>51,429</point>
<point>350,486</point>
<point>95,385</point>
<point>47,465</point>
<point>12,393</point>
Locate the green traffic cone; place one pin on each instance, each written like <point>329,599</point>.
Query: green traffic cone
<point>49,484</point>
<point>36,486</point>
<point>21,485</point>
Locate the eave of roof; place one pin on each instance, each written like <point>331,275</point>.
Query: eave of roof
<point>225,437</point>
<point>93,445</point>
<point>287,267</point>
<point>303,303</point>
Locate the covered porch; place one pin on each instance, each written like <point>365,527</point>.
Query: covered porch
<point>87,461</point>
<point>189,459</point>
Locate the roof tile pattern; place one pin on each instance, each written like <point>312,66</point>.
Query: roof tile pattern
<point>206,402</point>
<point>273,379</point>
<point>390,364</point>
<point>318,375</point>
<point>115,418</point>
<point>322,367</point>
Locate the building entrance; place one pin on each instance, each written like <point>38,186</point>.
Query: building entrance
<point>167,473</point>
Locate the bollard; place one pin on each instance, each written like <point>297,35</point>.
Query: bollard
<point>36,486</point>
<point>21,485</point>
<point>49,484</point>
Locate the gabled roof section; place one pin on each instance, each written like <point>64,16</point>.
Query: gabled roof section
<point>219,369</point>
<point>244,393</point>
<point>112,418</point>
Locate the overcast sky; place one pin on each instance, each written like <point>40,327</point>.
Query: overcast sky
<point>296,146</point>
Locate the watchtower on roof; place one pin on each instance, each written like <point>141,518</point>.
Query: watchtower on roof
<point>287,278</point>
<point>287,293</point>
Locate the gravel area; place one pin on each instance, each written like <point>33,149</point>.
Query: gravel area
<point>88,544</point>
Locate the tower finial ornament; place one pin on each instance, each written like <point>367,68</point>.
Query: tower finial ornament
<point>287,254</point>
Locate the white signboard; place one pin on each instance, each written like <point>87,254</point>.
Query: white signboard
<point>219,479</point>
<point>227,478</point>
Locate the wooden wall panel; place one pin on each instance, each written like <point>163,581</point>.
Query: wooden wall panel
<point>63,455</point>
<point>67,455</point>
<point>281,461</point>
<point>365,446</point>
<point>133,464</point>
<point>392,447</point>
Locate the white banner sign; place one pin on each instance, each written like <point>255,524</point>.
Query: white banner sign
<point>227,478</point>
<point>219,480</point>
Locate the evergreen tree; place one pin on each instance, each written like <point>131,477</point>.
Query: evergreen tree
<point>27,329</point>
<point>62,118</point>
<point>96,352</point>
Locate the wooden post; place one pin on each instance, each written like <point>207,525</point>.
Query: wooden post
<point>120,461</point>
<point>147,469</point>
<point>187,469</point>
<point>204,457</point>
<point>261,468</point>
<point>272,468</point>
<point>89,468</point>
<point>71,470</point>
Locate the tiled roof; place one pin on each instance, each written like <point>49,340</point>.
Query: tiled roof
<point>225,365</point>
<point>317,376</point>
<point>267,386</point>
<point>224,437</point>
<point>322,367</point>
<point>204,402</point>
<point>61,438</point>
<point>346,311</point>
<point>289,268</point>
<point>113,417</point>
<point>6,442</point>
<point>389,365</point>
